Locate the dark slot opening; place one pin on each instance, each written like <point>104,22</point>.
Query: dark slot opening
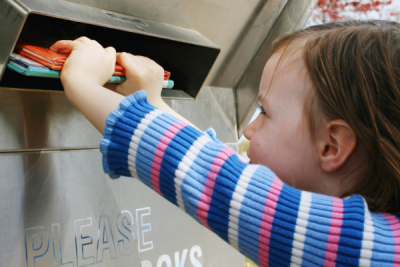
<point>189,64</point>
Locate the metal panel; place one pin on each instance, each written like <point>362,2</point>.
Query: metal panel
<point>293,17</point>
<point>222,21</point>
<point>248,44</point>
<point>185,52</point>
<point>12,14</point>
<point>214,107</point>
<point>60,207</point>
<point>31,119</point>
<point>36,120</point>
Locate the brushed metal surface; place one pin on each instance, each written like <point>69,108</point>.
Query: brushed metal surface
<point>31,119</point>
<point>12,17</point>
<point>214,107</point>
<point>248,43</point>
<point>36,120</point>
<point>13,14</point>
<point>293,16</point>
<point>221,21</point>
<point>50,200</point>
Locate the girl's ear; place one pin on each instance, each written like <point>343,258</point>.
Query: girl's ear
<point>336,143</point>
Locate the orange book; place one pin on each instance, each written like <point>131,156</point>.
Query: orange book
<point>55,60</point>
<point>42,55</point>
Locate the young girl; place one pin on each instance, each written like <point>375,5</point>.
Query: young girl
<point>329,128</point>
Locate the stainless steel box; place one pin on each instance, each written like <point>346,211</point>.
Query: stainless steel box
<point>186,53</point>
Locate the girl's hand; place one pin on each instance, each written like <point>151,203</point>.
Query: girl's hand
<point>142,73</point>
<point>88,61</point>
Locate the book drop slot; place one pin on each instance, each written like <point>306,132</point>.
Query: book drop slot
<point>188,63</point>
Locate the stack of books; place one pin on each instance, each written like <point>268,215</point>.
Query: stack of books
<point>38,61</point>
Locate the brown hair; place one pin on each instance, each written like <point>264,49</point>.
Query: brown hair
<point>354,67</point>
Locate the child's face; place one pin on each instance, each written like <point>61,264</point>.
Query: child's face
<point>280,138</point>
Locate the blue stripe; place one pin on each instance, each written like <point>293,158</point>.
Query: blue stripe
<point>193,182</point>
<point>224,187</point>
<point>253,203</point>
<point>283,226</point>
<point>171,160</point>
<point>351,234</point>
<point>317,231</point>
<point>118,144</point>
<point>198,173</point>
<point>146,149</point>
<point>383,240</point>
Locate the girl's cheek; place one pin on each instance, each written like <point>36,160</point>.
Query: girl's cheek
<point>256,151</point>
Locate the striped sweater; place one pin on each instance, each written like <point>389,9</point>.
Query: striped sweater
<point>246,205</point>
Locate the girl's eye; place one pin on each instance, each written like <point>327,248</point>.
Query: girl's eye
<point>262,111</point>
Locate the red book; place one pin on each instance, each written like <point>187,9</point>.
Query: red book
<point>167,74</point>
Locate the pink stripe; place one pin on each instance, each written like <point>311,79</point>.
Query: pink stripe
<point>334,232</point>
<point>266,221</point>
<point>206,195</point>
<point>394,223</point>
<point>159,154</point>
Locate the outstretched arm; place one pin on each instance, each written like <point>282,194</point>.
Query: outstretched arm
<point>88,68</point>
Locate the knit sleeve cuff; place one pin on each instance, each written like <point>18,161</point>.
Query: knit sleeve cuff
<point>119,131</point>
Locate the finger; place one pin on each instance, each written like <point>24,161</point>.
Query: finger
<point>66,45</point>
<point>88,41</point>
<point>133,57</point>
<point>142,58</point>
<point>84,39</point>
<point>111,51</point>
<point>149,63</point>
<point>127,61</point>
<point>94,42</point>
<point>140,61</point>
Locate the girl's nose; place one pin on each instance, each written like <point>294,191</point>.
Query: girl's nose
<point>248,131</point>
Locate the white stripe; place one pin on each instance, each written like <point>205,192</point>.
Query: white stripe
<point>135,139</point>
<point>368,238</point>
<point>185,164</point>
<point>236,204</point>
<point>301,228</point>
<point>43,58</point>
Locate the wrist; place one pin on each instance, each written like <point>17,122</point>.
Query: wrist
<point>69,77</point>
<point>158,102</point>
<point>74,86</point>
